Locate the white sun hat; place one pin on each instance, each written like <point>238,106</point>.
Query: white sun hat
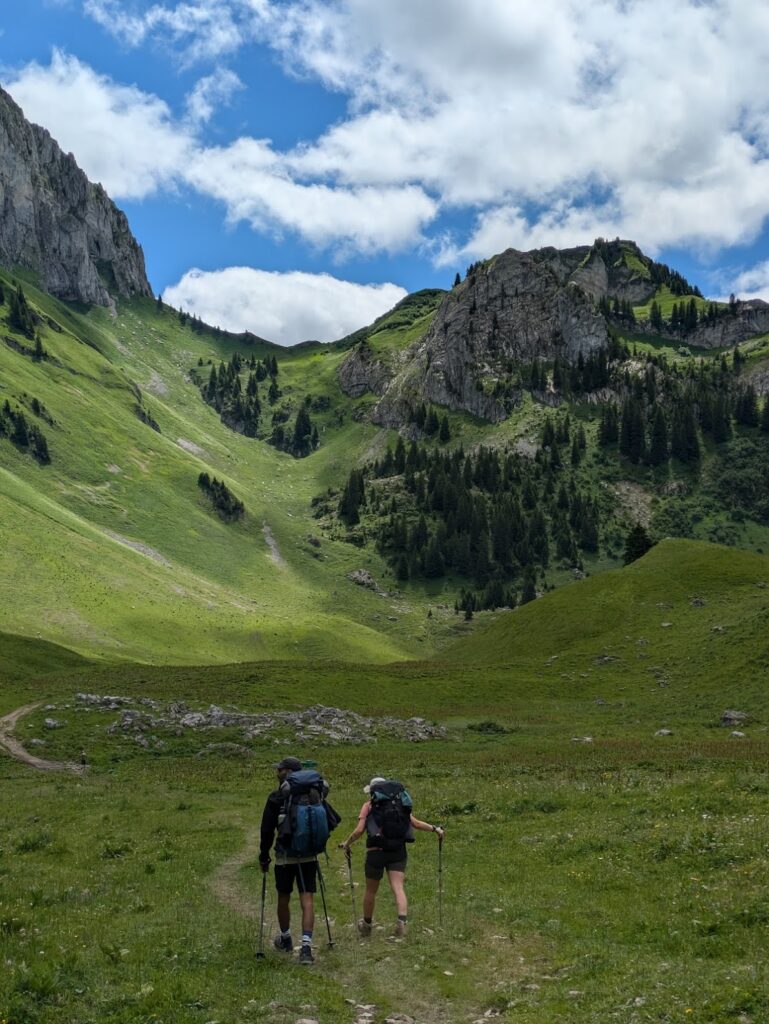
<point>374,782</point>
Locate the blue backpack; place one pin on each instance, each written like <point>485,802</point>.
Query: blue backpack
<point>304,826</point>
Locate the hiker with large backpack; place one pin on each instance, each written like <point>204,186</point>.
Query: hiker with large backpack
<point>298,818</point>
<point>389,824</point>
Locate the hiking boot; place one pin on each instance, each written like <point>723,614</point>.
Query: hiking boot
<point>399,931</point>
<point>283,943</point>
<point>364,928</point>
<point>305,955</point>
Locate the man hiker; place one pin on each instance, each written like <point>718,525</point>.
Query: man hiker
<point>298,819</point>
<point>387,820</point>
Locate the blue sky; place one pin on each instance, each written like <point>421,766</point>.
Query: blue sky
<point>295,166</point>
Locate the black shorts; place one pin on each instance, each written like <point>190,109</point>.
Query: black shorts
<point>377,861</point>
<point>305,875</point>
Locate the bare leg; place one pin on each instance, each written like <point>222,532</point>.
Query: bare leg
<point>369,897</point>
<point>397,880</point>
<point>308,911</point>
<point>284,911</point>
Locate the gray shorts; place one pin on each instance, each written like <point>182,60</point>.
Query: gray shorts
<point>379,861</point>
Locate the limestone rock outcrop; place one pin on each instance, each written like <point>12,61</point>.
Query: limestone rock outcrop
<point>511,310</point>
<point>58,223</point>
<point>750,318</point>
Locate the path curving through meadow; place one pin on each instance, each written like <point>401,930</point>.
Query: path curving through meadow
<point>225,885</point>
<point>11,745</point>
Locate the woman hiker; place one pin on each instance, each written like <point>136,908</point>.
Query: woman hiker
<point>387,820</point>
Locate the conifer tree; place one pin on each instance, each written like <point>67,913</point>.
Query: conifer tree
<point>746,407</point>
<point>658,439</point>
<point>20,316</point>
<point>302,439</point>
<point>637,543</point>
<point>632,430</point>
<point>655,318</point>
<point>529,591</point>
<point>684,444</point>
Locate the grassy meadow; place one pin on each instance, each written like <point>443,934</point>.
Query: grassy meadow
<point>616,878</point>
<point>605,856</point>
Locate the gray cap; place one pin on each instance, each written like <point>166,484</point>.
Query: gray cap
<point>292,764</point>
<point>374,783</point>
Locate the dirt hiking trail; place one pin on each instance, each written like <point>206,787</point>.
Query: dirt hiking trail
<point>16,750</point>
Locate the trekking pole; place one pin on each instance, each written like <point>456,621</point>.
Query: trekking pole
<point>348,856</point>
<point>325,910</point>
<point>440,881</point>
<point>260,950</point>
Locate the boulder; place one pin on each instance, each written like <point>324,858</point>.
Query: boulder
<point>734,718</point>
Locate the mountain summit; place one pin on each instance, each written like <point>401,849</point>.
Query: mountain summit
<point>518,310</point>
<point>58,223</point>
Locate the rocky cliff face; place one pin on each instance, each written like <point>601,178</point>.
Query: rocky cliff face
<point>56,222</point>
<point>514,309</point>
<point>749,319</point>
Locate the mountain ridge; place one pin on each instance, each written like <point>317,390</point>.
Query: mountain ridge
<point>518,308</point>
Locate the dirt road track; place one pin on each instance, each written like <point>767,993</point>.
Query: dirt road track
<point>16,750</point>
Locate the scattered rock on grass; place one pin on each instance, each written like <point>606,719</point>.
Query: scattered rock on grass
<point>226,750</point>
<point>316,724</point>
<point>737,735</point>
<point>363,578</point>
<point>664,732</point>
<point>53,723</point>
<point>731,717</point>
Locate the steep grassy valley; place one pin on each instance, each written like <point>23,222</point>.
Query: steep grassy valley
<point>124,556</point>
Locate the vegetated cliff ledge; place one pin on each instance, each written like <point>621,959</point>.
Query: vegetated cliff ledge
<point>521,307</point>
<point>516,308</point>
<point>59,224</point>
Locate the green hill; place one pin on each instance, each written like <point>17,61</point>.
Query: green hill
<point>112,548</point>
<point>685,623</point>
<point>22,657</point>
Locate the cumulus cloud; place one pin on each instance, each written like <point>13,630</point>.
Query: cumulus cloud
<point>752,283</point>
<point>286,308</point>
<point>553,121</point>
<point>210,92</point>
<point>256,186</point>
<point>121,136</point>
<point>202,29</point>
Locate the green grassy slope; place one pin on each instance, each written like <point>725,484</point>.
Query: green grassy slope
<point>113,550</point>
<point>597,874</point>
<point>22,657</point>
<point>686,620</point>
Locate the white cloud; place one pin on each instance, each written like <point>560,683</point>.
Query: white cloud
<point>588,114</point>
<point>285,308</point>
<point>122,137</point>
<point>210,92</point>
<point>752,283</point>
<point>256,186</point>
<point>508,104</point>
<point>130,142</point>
<point>204,29</point>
